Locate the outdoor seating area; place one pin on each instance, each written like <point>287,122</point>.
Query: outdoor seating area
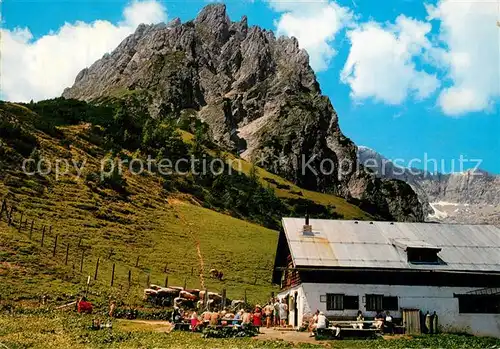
<point>323,328</point>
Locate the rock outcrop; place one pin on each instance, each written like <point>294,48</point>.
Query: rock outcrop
<point>256,92</point>
<point>466,197</point>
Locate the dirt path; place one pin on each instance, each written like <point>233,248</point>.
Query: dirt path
<point>288,336</point>
<point>145,325</point>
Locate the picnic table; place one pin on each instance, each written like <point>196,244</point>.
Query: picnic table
<point>346,332</point>
<point>182,326</point>
<point>347,329</point>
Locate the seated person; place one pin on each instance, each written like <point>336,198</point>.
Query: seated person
<point>313,321</point>
<point>238,317</point>
<point>214,318</point>
<point>321,324</point>
<point>84,306</point>
<point>388,322</point>
<point>176,315</point>
<point>379,320</point>
<point>195,322</point>
<point>247,319</point>
<point>360,319</point>
<point>205,317</point>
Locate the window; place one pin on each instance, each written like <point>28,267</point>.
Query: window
<point>351,302</point>
<point>377,302</point>
<point>390,303</point>
<point>422,255</point>
<point>341,302</point>
<point>334,301</point>
<point>374,302</point>
<point>479,304</point>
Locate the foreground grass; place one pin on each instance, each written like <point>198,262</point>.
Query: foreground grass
<point>65,330</point>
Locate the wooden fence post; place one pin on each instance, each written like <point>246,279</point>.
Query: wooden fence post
<point>10,215</point>
<point>185,283</point>
<point>96,268</point>
<point>166,281</point>
<point>223,298</point>
<point>67,252</point>
<point>4,207</point>
<point>55,246</point>
<point>43,236</point>
<point>31,229</point>
<point>129,276</point>
<point>191,271</point>
<point>81,261</point>
<point>245,296</point>
<point>20,222</point>
<point>137,262</point>
<point>79,242</point>
<point>147,280</point>
<point>113,275</point>
<point>205,299</point>
<point>165,269</point>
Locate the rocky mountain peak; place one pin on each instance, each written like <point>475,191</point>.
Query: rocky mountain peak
<point>174,23</point>
<point>258,95</point>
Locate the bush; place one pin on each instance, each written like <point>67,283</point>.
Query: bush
<point>16,137</point>
<point>113,180</point>
<point>230,332</point>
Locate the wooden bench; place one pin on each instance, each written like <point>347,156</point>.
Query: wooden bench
<point>182,326</point>
<point>346,332</point>
<point>358,333</point>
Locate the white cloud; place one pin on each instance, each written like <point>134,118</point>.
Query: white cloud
<point>472,55</point>
<point>315,24</point>
<point>42,68</point>
<point>381,62</point>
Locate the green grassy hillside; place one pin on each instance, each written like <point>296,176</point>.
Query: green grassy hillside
<point>174,226</point>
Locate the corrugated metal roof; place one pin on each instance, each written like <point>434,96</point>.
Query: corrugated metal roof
<point>362,244</point>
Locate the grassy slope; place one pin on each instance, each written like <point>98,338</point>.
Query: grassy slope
<point>160,229</point>
<point>348,210</point>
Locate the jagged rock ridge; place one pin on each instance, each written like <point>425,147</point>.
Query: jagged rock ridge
<point>256,92</point>
<point>467,197</point>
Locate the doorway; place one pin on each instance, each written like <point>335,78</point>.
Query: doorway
<point>295,310</point>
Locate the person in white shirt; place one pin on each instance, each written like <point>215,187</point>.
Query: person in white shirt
<point>312,323</point>
<point>321,320</point>
<point>388,322</point>
<point>283,312</point>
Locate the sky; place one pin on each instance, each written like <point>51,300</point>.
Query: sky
<point>413,80</point>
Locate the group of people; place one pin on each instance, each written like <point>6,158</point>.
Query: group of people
<point>275,312</point>
<point>383,320</point>
<point>219,318</point>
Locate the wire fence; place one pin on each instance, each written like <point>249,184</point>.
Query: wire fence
<point>75,254</point>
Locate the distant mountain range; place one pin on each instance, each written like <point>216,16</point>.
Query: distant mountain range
<point>465,197</point>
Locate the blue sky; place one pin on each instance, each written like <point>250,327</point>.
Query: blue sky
<point>407,78</point>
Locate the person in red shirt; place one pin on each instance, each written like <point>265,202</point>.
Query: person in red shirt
<point>84,306</point>
<point>257,318</point>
